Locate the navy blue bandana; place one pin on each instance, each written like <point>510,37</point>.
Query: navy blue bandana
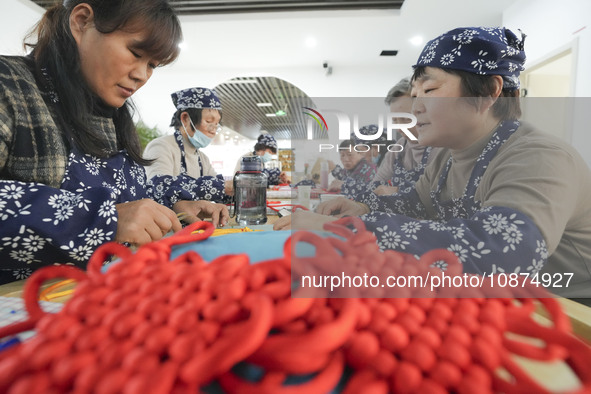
<point>196,98</point>
<point>371,129</point>
<point>478,50</point>
<point>267,140</point>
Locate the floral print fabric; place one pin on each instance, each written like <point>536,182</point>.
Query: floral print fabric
<point>487,240</point>
<point>169,189</point>
<point>40,225</point>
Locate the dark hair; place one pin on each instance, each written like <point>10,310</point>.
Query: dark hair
<point>56,51</point>
<point>476,86</point>
<point>196,114</point>
<point>346,143</point>
<point>260,146</point>
<point>402,88</point>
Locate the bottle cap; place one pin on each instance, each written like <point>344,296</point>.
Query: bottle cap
<point>251,163</point>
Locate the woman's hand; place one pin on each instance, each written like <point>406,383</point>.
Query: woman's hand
<point>199,210</point>
<point>384,190</point>
<point>283,178</point>
<point>335,186</point>
<point>342,206</point>
<point>143,221</point>
<point>229,187</point>
<point>303,220</point>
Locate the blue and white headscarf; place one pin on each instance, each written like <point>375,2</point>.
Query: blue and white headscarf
<point>371,129</point>
<point>199,98</point>
<point>478,50</point>
<point>267,140</point>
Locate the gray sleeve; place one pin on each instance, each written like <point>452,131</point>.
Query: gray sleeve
<point>159,151</point>
<point>6,131</point>
<point>537,179</point>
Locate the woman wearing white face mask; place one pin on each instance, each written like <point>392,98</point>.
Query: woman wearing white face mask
<point>265,148</point>
<point>180,169</point>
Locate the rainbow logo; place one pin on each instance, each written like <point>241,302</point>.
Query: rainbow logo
<point>316,119</point>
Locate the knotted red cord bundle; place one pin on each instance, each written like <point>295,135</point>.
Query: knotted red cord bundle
<point>151,325</point>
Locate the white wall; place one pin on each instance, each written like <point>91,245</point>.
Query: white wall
<point>17,17</point>
<point>552,27</point>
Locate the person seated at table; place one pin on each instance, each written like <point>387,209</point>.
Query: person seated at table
<point>504,197</point>
<point>179,168</point>
<point>265,148</point>
<point>356,169</point>
<point>71,175</point>
<point>401,170</point>
<point>373,155</point>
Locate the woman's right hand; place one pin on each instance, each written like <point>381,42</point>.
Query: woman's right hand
<point>143,221</point>
<point>342,206</point>
<point>335,186</point>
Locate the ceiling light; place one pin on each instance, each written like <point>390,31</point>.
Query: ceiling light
<point>270,115</point>
<point>386,52</point>
<point>416,41</point>
<point>311,42</point>
<point>264,105</point>
<point>183,45</point>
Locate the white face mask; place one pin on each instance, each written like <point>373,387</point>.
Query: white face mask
<point>198,140</point>
<point>266,157</point>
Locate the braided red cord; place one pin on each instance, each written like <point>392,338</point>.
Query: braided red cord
<point>153,325</point>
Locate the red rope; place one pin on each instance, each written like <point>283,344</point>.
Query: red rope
<point>153,325</point>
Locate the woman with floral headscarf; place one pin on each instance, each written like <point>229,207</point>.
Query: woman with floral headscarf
<point>504,197</point>
<point>180,170</point>
<point>265,148</point>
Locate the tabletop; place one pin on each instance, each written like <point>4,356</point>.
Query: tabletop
<point>556,376</point>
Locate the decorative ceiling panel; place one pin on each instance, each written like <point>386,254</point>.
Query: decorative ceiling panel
<point>283,119</point>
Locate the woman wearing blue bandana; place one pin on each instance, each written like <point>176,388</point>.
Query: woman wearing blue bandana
<point>504,197</point>
<point>180,170</point>
<point>358,169</point>
<point>265,148</point>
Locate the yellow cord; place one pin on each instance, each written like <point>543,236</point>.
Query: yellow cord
<point>224,231</point>
<point>45,296</point>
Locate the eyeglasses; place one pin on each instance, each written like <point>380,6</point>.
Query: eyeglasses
<point>213,127</point>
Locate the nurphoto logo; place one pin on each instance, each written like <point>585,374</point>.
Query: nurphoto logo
<point>344,130</point>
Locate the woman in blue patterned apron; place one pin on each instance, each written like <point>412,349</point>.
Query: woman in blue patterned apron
<point>504,197</point>
<point>357,171</point>
<point>180,170</point>
<point>265,148</point>
<point>71,175</point>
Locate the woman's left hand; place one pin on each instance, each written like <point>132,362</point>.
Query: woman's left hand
<point>335,186</point>
<point>199,210</point>
<point>283,178</point>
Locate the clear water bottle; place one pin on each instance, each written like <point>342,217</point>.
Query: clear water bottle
<point>250,192</point>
